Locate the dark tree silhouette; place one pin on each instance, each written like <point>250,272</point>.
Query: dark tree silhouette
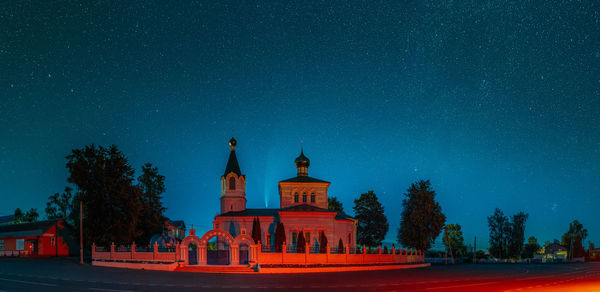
<point>111,202</point>
<point>19,216</point>
<point>151,219</point>
<point>256,232</point>
<point>573,239</point>
<point>279,236</point>
<point>422,218</point>
<point>498,224</point>
<point>300,242</point>
<point>334,205</point>
<point>60,206</point>
<point>530,248</point>
<point>517,234</point>
<point>372,223</point>
<point>31,215</point>
<point>322,242</point>
<point>341,247</point>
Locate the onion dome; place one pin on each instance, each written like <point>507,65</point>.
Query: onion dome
<point>232,163</point>
<point>232,143</point>
<point>302,161</point>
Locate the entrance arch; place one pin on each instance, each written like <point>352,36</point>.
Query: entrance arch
<point>243,248</point>
<point>189,242</point>
<point>222,255</point>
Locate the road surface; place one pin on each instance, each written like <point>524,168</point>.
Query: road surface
<point>60,274</point>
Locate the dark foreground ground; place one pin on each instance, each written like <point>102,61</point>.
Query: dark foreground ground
<point>68,275</point>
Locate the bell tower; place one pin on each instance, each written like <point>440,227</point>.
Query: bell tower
<point>233,184</point>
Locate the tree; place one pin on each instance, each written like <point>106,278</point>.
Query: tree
<point>322,242</point>
<point>256,232</point>
<point>111,203</point>
<point>31,215</point>
<point>372,223</point>
<point>300,242</point>
<point>279,236</point>
<point>422,218</point>
<point>517,234</point>
<point>530,248</point>
<point>341,247</point>
<point>334,205</point>
<point>453,240</point>
<point>60,206</point>
<point>498,224</point>
<point>19,216</point>
<point>573,239</point>
<point>151,185</point>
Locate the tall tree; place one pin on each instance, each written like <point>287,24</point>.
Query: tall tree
<point>31,215</point>
<point>498,224</point>
<point>341,246</point>
<point>279,236</point>
<point>300,242</point>
<point>322,242</point>
<point>111,202</point>
<point>517,234</point>
<point>372,223</point>
<point>19,216</point>
<point>530,248</point>
<point>453,240</point>
<point>334,205</point>
<point>573,239</point>
<point>256,232</point>
<point>151,219</point>
<point>422,218</point>
<point>59,206</point>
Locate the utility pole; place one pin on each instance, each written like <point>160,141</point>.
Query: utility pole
<point>475,249</point>
<point>81,231</point>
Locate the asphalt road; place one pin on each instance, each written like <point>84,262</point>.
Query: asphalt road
<point>68,275</point>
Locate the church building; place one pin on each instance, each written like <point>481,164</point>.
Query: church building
<point>303,208</point>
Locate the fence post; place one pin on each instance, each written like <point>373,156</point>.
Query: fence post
<point>93,250</point>
<point>112,250</point>
<point>155,251</point>
<point>283,249</point>
<point>133,251</point>
<point>328,251</point>
<point>379,249</point>
<point>177,252</point>
<point>306,253</point>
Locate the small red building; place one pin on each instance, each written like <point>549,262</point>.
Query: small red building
<point>38,239</point>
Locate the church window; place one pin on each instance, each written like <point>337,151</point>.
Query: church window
<point>312,198</point>
<point>51,241</point>
<point>243,230</point>
<point>304,198</point>
<point>232,183</point>
<point>294,238</point>
<point>296,198</point>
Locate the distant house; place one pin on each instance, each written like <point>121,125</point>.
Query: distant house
<point>593,253</point>
<point>550,253</point>
<point>175,229</point>
<point>173,233</point>
<point>38,239</point>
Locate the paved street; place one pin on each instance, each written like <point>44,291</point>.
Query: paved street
<point>67,275</point>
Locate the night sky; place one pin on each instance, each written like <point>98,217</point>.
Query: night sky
<point>496,102</point>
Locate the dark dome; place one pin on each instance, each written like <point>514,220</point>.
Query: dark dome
<point>302,160</point>
<point>232,142</point>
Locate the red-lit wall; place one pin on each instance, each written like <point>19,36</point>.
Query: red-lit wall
<point>44,244</point>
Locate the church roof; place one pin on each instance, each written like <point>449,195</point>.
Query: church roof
<point>307,179</point>
<point>274,212</point>
<point>251,212</point>
<point>232,164</point>
<point>27,229</point>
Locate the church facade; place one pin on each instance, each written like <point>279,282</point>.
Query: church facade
<point>303,209</point>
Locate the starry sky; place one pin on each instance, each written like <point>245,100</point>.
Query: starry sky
<point>496,102</point>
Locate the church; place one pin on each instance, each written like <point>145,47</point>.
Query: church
<point>303,208</point>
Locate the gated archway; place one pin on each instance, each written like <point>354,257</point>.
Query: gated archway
<point>219,255</point>
<point>244,245</point>
<point>191,249</point>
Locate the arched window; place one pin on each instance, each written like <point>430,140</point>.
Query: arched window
<point>296,198</point>
<point>232,183</point>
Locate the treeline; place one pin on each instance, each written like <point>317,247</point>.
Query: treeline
<point>117,206</point>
